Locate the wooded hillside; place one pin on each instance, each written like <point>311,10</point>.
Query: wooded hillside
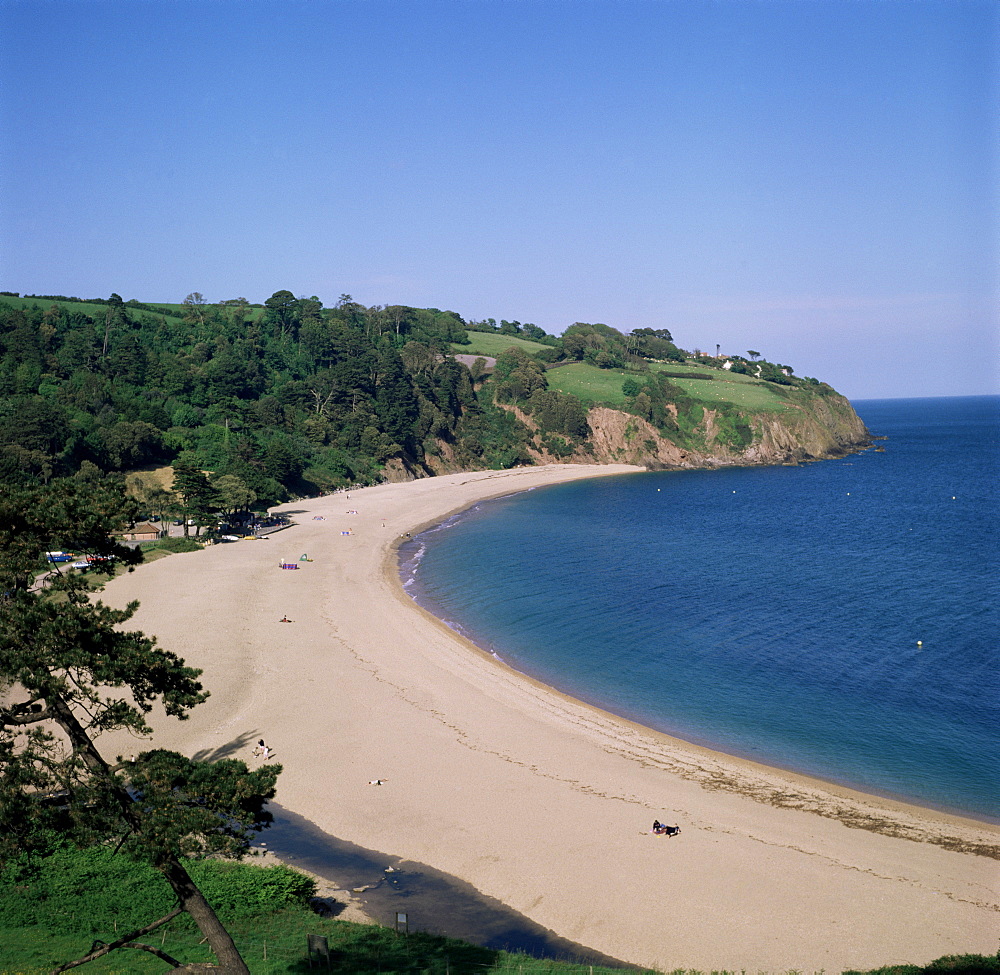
<point>293,398</point>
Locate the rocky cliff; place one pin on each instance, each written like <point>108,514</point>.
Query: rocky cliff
<point>810,428</point>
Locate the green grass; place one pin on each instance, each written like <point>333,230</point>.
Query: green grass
<point>593,385</point>
<point>55,909</point>
<point>83,306</point>
<point>492,344</point>
<point>174,544</point>
<point>95,310</point>
<point>588,383</point>
<point>271,944</point>
<point>53,913</point>
<point>683,369</point>
<point>757,398</point>
<point>275,944</point>
<point>722,386</point>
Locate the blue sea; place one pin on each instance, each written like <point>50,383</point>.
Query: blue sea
<point>837,618</point>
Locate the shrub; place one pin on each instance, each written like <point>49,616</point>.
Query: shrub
<point>172,545</point>
<point>90,891</point>
<point>237,890</point>
<point>558,446</point>
<point>86,891</point>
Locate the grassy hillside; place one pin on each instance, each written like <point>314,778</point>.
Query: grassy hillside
<point>99,308</point>
<point>93,309</point>
<point>713,386</point>
<point>588,383</point>
<point>709,386</point>
<point>685,369</point>
<point>492,344</point>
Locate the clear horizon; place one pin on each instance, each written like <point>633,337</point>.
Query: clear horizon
<point>814,181</point>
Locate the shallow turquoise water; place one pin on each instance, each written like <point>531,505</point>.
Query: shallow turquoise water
<point>837,619</point>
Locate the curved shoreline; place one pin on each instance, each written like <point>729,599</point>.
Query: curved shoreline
<point>842,789</point>
<point>536,799</point>
<point>855,808</point>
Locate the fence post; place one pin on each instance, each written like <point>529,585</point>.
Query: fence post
<point>316,944</point>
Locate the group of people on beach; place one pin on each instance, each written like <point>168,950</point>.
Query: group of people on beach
<point>264,751</point>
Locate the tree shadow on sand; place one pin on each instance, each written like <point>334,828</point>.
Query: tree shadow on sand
<point>230,749</point>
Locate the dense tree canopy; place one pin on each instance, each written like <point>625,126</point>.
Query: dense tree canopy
<point>289,397</point>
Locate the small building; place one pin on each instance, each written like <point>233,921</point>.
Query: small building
<point>141,532</point>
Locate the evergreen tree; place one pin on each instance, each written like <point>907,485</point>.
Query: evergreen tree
<point>395,401</point>
<point>197,495</point>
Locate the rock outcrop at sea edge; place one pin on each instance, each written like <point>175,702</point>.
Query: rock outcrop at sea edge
<point>811,427</point>
<point>820,428</point>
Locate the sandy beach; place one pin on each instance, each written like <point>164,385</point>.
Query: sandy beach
<point>535,799</point>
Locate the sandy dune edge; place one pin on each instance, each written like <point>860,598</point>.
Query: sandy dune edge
<point>534,798</point>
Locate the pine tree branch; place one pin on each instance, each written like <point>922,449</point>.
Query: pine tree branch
<point>126,942</point>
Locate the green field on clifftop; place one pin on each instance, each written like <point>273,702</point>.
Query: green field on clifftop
<point>708,386</point>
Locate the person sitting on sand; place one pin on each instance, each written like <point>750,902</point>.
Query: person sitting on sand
<point>260,747</point>
<point>662,829</point>
<point>284,619</point>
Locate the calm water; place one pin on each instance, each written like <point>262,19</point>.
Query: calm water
<point>772,613</point>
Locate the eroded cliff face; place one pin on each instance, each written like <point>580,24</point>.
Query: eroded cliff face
<point>826,427</point>
<point>817,428</point>
<point>812,427</point>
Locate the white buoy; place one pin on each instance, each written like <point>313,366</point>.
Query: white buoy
<point>920,643</point>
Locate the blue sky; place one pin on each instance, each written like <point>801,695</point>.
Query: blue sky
<point>813,180</point>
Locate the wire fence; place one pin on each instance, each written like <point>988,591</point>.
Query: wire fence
<point>409,955</point>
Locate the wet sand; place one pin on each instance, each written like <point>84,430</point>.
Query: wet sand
<point>536,800</point>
